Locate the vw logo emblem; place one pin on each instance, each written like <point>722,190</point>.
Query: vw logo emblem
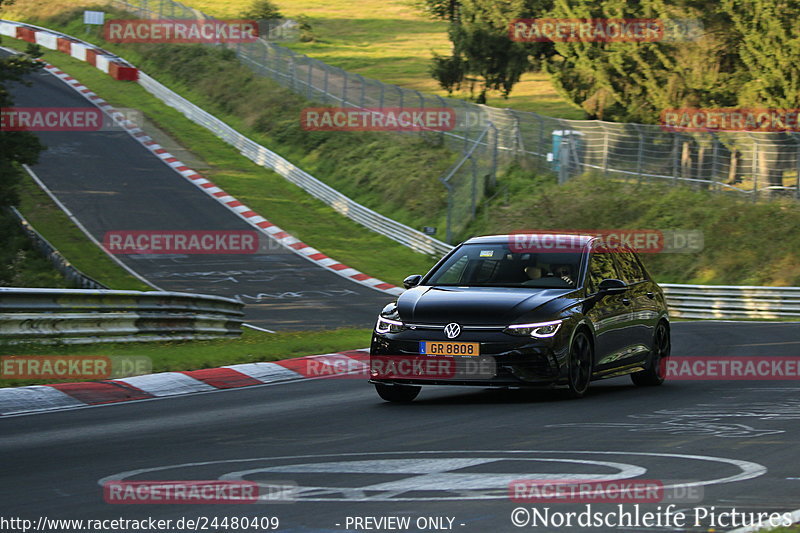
<point>452,330</point>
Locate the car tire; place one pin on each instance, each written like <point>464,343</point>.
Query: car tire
<point>581,365</point>
<point>653,374</point>
<point>397,393</point>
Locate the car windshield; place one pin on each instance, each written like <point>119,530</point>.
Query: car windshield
<point>495,265</point>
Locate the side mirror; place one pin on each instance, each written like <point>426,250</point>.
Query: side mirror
<point>612,286</point>
<point>412,281</point>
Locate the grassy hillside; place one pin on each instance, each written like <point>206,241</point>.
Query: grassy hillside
<point>388,40</point>
<point>745,243</point>
<point>20,264</point>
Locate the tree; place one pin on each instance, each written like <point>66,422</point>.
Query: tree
<point>635,81</point>
<point>16,147</point>
<point>448,71</point>
<point>262,10</point>
<point>440,9</point>
<point>481,45</point>
<point>499,61</point>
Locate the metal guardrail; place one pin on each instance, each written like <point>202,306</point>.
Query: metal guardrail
<point>76,316</point>
<point>732,301</point>
<point>72,274</point>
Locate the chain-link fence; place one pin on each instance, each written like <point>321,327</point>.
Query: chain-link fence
<point>747,163</point>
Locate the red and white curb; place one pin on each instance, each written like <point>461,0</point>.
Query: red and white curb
<point>112,65</point>
<point>232,204</point>
<point>39,398</point>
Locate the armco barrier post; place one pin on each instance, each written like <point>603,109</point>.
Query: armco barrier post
<point>64,45</point>
<point>121,72</point>
<point>26,34</point>
<point>91,57</point>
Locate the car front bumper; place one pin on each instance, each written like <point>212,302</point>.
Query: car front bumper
<point>504,360</point>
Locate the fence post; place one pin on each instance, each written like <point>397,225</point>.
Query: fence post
<point>449,231</point>
<point>326,69</point>
<point>542,149</point>
<point>292,66</point>
<point>494,155</point>
<point>563,158</point>
<point>755,170</point>
<point>640,154</point>
<point>714,155</point>
<point>474,167</point>
<point>797,184</point>
<point>310,66</point>
<point>675,158</point>
<point>363,84</point>
<point>344,88</point>
<point>442,104</point>
<point>605,152</point>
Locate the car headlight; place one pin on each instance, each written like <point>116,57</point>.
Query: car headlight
<point>539,330</point>
<point>385,325</point>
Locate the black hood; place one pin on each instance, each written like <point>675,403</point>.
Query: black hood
<point>477,305</point>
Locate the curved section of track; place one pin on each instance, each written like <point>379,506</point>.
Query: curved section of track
<point>111,182</point>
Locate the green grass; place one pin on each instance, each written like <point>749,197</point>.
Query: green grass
<point>20,264</point>
<point>387,40</point>
<point>745,243</point>
<point>251,347</point>
<point>267,193</point>
<point>391,41</point>
<point>67,238</point>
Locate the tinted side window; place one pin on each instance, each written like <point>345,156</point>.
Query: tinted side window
<point>455,272</point>
<point>629,268</point>
<point>601,266</point>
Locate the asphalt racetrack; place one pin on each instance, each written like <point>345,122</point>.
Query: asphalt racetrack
<point>448,455</point>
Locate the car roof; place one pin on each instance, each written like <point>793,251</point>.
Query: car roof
<point>582,240</point>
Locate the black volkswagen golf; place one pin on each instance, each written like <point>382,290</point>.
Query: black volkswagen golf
<point>494,313</point>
